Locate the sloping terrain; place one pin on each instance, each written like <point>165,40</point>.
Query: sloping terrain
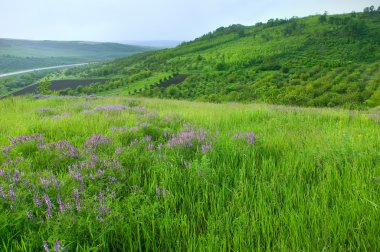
<point>28,54</point>
<point>319,60</point>
<point>121,174</point>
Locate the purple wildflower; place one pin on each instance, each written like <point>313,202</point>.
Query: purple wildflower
<point>114,107</point>
<point>68,150</point>
<point>95,141</point>
<point>22,139</point>
<point>188,138</point>
<point>76,198</point>
<point>37,201</point>
<point>12,193</point>
<point>44,110</point>
<point>134,142</point>
<point>57,246</point>
<point>102,206</point>
<point>49,214</point>
<point>148,138</point>
<point>161,192</point>
<point>68,206</point>
<point>30,215</point>
<point>150,146</point>
<point>6,150</point>
<point>119,150</point>
<point>250,136</point>
<point>206,147</point>
<point>60,203</point>
<point>46,247</point>
<point>3,195</point>
<point>47,200</point>
<point>17,176</point>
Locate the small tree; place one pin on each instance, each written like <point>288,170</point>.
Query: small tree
<point>323,18</point>
<point>44,87</point>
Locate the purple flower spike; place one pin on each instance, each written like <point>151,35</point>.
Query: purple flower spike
<point>57,246</point>
<point>3,195</point>
<point>12,193</point>
<point>30,215</point>
<point>47,200</point>
<point>37,201</point>
<point>206,147</point>
<point>76,198</point>
<point>250,136</point>
<point>46,247</point>
<point>95,141</point>
<point>60,203</point>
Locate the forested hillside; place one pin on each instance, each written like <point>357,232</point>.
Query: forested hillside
<point>321,60</point>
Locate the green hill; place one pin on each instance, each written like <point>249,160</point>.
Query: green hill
<point>321,60</point>
<point>26,54</point>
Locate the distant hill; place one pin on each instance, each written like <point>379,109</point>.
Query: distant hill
<point>26,54</point>
<point>321,60</point>
<point>154,43</point>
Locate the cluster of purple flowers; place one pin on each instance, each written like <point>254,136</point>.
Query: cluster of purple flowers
<point>119,130</point>
<point>149,115</point>
<point>12,177</point>
<point>102,206</point>
<point>48,182</point>
<point>248,136</point>
<point>64,115</point>
<point>58,247</point>
<point>45,110</point>
<point>64,147</point>
<point>119,107</point>
<point>49,212</point>
<point>95,141</point>
<point>19,140</point>
<point>190,138</point>
<point>114,107</point>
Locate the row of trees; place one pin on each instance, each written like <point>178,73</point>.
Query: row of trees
<point>371,9</point>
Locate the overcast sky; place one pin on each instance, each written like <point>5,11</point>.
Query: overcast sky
<point>120,20</point>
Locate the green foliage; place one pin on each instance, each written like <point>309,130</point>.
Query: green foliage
<point>44,87</point>
<point>300,61</point>
<point>312,173</point>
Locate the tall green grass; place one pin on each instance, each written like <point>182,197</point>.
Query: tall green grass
<point>311,180</point>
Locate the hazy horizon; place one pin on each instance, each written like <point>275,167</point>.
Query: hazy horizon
<point>167,20</point>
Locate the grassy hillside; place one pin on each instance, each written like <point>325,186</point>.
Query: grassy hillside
<point>27,54</point>
<point>158,175</point>
<point>322,60</point>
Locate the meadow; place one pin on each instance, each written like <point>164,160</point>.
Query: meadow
<point>134,174</point>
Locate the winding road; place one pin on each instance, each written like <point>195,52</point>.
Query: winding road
<point>40,69</point>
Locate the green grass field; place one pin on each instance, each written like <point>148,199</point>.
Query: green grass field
<point>122,174</point>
